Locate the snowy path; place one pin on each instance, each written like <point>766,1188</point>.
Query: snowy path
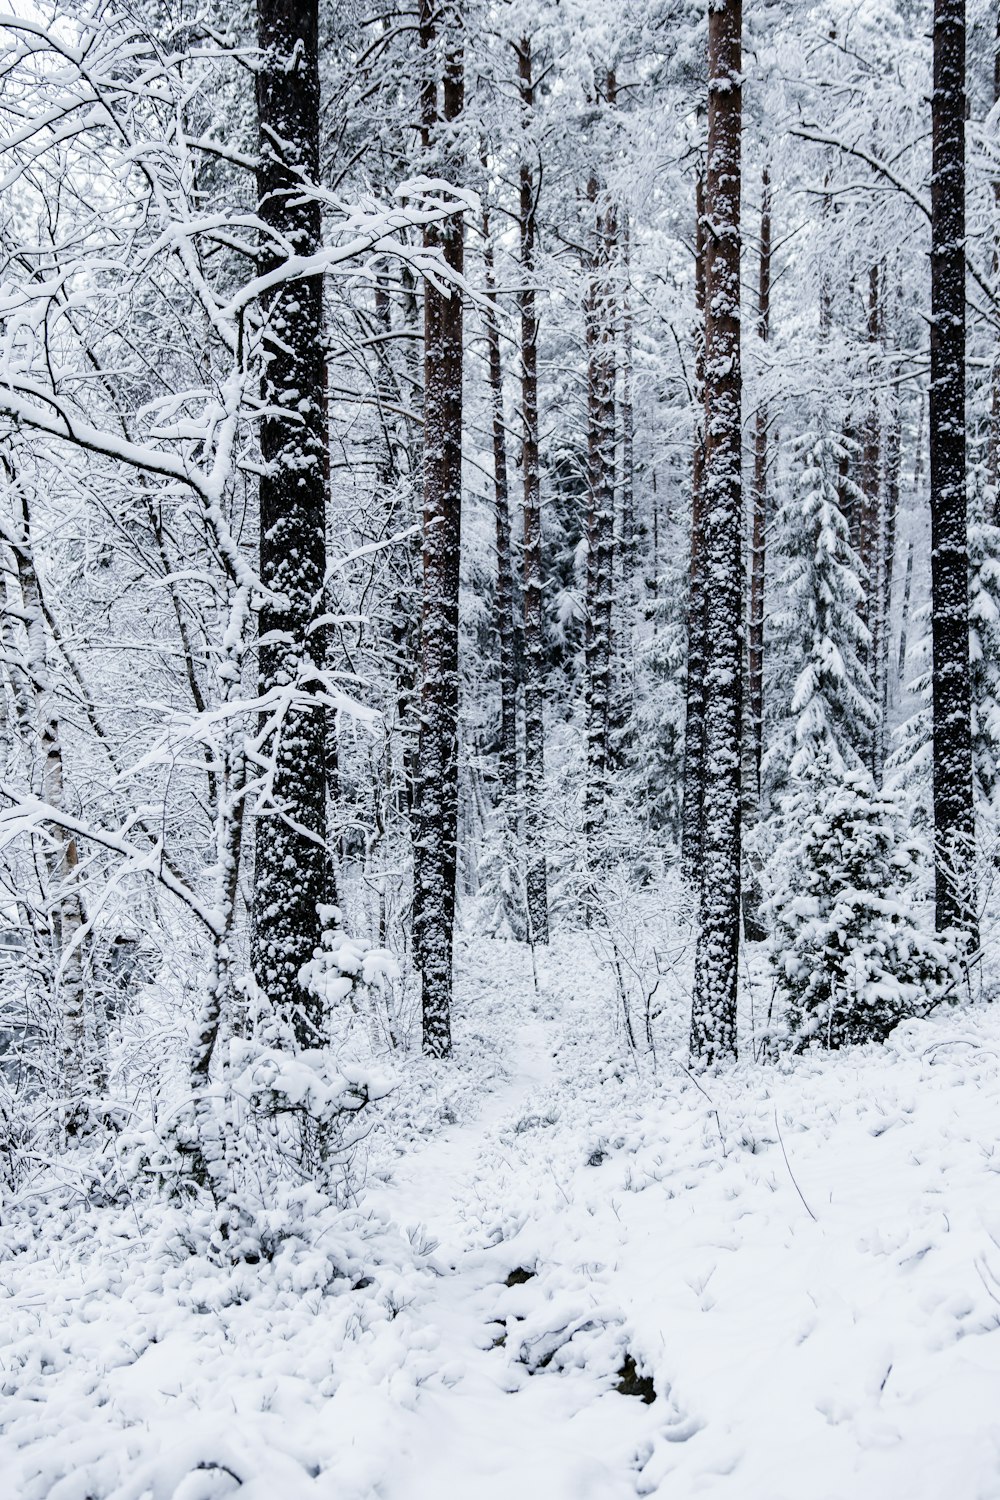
<point>563,1437</point>
<point>807,1265</point>
<point>430,1184</point>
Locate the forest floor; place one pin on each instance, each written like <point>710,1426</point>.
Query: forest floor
<point>802,1260</point>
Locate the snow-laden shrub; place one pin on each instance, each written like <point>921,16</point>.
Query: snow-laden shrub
<point>273,1115</point>
<point>342,965</point>
<point>849,955</point>
<point>306,1105</point>
<point>357,984</point>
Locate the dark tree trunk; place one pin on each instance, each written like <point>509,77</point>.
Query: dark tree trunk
<point>846,494</point>
<point>406,620</point>
<point>291,864</point>
<point>694,740</point>
<point>534,625</point>
<point>599,316</point>
<point>758,543</point>
<point>825,284</point>
<point>994,442</point>
<point>871,458</point>
<point>713,1019</point>
<point>435,848</point>
<point>954,825</point>
<point>904,616</point>
<point>504,602</point>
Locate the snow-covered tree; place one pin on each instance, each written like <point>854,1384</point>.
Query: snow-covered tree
<point>850,957</point>
<point>984,655</point>
<point>823,638</point>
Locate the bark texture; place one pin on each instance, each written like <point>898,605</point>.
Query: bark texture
<point>534,623</point>
<point>435,851</point>
<point>994,441</point>
<point>600,339</point>
<point>713,1020</point>
<point>952,762</point>
<point>291,863</point>
<point>504,602</point>
<point>694,717</point>
<point>758,540</point>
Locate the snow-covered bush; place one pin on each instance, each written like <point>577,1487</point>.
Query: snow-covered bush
<point>352,978</point>
<point>275,1116</point>
<point>849,955</point>
<point>300,1109</point>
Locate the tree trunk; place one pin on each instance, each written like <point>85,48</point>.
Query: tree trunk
<point>81,1070</point>
<point>871,456</point>
<point>534,629</point>
<point>904,616</point>
<point>291,866</point>
<point>874,533</point>
<point>904,611</point>
<point>713,1020</point>
<point>599,316</point>
<point>846,494</point>
<point>994,440</point>
<point>626,579</point>
<point>504,601</point>
<point>694,739</point>
<point>758,544</point>
<point>435,850</point>
<point>405,628</point>
<point>954,823</point>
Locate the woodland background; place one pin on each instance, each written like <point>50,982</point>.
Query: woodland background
<point>479,485</point>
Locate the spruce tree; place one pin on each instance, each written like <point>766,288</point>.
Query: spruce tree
<point>850,958</point>
<point>823,638</point>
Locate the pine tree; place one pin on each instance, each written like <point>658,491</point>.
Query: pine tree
<point>824,639</point>
<point>850,958</point>
<point>600,343</point>
<point>758,542</point>
<point>291,864</point>
<point>534,620</point>
<point>954,821</point>
<point>435,846</point>
<point>504,597</point>
<point>694,682</point>
<point>713,1021</point>
<point>984,654</point>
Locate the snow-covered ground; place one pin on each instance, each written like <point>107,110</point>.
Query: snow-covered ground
<point>804,1259</point>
